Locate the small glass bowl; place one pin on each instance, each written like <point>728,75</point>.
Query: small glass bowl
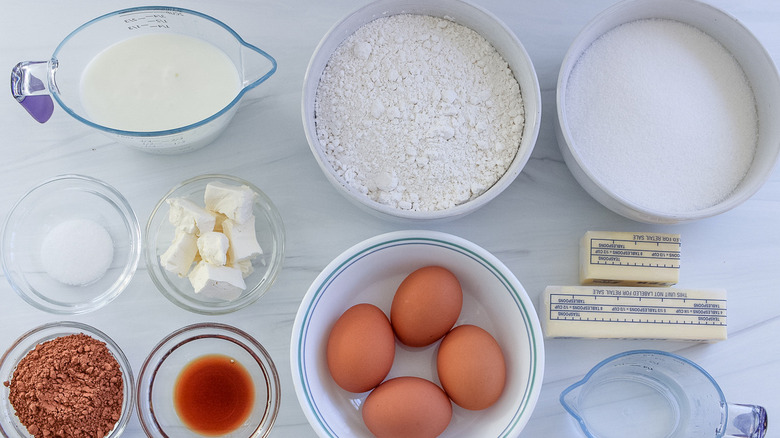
<point>158,375</point>
<point>160,233</point>
<point>9,423</point>
<point>55,201</point>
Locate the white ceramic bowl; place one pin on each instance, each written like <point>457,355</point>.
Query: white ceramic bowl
<point>38,212</point>
<point>473,17</point>
<point>269,230</point>
<point>370,272</point>
<point>749,53</point>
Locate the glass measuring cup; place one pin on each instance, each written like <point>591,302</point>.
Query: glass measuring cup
<point>35,83</point>
<point>647,393</point>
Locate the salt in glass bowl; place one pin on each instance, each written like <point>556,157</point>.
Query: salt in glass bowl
<point>160,233</point>
<point>480,20</point>
<point>9,423</point>
<point>160,370</point>
<point>53,202</point>
<point>370,272</point>
<point>757,65</point>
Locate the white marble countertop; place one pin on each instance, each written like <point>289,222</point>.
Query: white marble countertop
<point>533,227</point>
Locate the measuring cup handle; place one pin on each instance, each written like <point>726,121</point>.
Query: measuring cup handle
<point>29,86</point>
<point>745,421</point>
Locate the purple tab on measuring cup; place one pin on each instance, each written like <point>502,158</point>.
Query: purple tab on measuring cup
<point>30,91</point>
<point>40,107</point>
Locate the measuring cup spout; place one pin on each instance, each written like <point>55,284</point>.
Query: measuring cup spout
<point>29,86</point>
<point>745,421</point>
<point>569,399</point>
<point>257,65</point>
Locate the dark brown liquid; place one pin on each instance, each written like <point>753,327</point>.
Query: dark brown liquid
<point>214,395</point>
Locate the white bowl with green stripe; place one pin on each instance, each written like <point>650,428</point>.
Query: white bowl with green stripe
<point>370,272</point>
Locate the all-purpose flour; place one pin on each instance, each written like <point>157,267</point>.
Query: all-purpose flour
<point>418,112</point>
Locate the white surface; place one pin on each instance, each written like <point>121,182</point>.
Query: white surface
<point>533,227</point>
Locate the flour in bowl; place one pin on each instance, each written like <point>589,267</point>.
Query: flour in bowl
<point>418,112</point>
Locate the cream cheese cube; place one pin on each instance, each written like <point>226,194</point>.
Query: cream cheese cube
<point>243,239</point>
<point>188,216</point>
<point>217,282</point>
<point>233,201</point>
<point>245,266</point>
<point>220,218</point>
<point>178,258</point>
<point>213,247</point>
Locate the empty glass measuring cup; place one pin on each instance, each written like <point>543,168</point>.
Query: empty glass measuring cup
<point>655,394</point>
<point>35,83</point>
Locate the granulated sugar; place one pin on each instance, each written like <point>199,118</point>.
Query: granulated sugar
<point>77,252</point>
<point>663,115</point>
<point>418,112</point>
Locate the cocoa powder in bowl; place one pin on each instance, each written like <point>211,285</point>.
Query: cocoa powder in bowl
<point>70,386</point>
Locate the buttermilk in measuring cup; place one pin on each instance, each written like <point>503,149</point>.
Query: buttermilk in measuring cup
<point>157,82</point>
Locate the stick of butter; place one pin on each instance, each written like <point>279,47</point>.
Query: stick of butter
<point>616,312</point>
<point>629,259</point>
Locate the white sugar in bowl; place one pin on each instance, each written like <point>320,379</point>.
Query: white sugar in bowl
<point>664,111</point>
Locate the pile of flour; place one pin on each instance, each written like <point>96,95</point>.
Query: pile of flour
<point>418,112</point>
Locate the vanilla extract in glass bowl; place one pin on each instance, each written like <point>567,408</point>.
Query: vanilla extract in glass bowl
<point>213,394</point>
<point>193,358</point>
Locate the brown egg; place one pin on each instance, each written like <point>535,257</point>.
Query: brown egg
<point>361,348</point>
<point>471,367</point>
<point>426,306</point>
<point>407,407</point>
